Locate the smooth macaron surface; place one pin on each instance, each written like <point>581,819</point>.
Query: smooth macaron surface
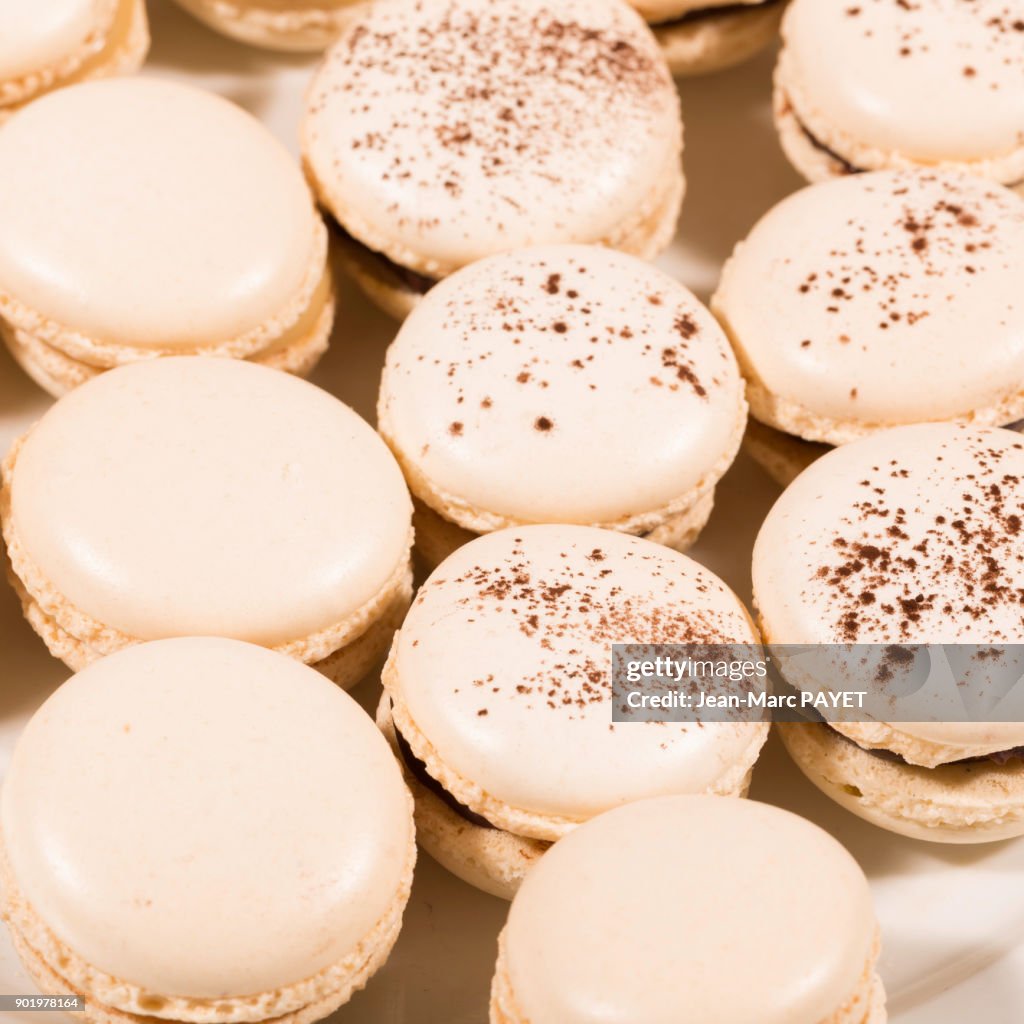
<point>271,512</point>
<point>503,668</point>
<point>204,818</point>
<point>543,121</point>
<point>523,387</point>
<point>946,80</point>
<point>911,536</point>
<point>690,909</point>
<point>208,229</point>
<point>881,299</point>
<point>35,37</point>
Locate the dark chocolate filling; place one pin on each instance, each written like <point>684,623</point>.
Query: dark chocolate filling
<point>408,280</point>
<point>707,13</point>
<point>845,165</point>
<point>1000,757</point>
<point>422,776</point>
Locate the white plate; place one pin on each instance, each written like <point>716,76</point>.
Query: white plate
<point>952,917</point>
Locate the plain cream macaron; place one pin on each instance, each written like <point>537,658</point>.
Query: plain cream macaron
<point>875,301</point>
<point>44,46</point>
<point>143,218</point>
<point>876,84</point>
<point>202,830</point>
<point>440,133</point>
<point>195,496</point>
<point>687,910</point>
<point>561,384</point>
<point>290,25</point>
<point>498,693</point>
<point>699,36</point>
<point>911,536</point>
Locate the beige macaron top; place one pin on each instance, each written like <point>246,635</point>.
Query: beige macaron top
<point>691,909</point>
<point>911,536</point>
<point>522,388</point>
<point>194,496</point>
<point>150,214</point>
<point>37,36</point>
<point>501,675</point>
<point>204,818</point>
<point>881,299</point>
<point>542,121</point>
<point>931,81</point>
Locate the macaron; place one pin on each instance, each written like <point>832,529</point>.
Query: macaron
<point>198,497</point>
<point>691,909</point>
<point>211,243</point>
<point>698,36</point>
<point>945,89</point>
<point>498,693</point>
<point>44,47</point>
<point>524,388</point>
<point>875,301</point>
<point>295,25</point>
<point>440,133</point>
<point>202,830</point>
<point>911,536</point>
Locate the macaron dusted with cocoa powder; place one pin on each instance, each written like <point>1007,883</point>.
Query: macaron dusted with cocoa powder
<point>523,387</point>
<point>204,831</point>
<point>912,536</point>
<point>688,910</point>
<point>47,46</point>
<point>499,699</point>
<point>199,497</point>
<point>876,301</point>
<point>698,36</point>
<point>440,133</point>
<point>876,84</point>
<point>146,218</point>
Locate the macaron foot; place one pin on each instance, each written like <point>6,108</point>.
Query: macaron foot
<point>716,41</point>
<point>977,801</point>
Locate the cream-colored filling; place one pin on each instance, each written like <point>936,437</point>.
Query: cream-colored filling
<point>72,635</point>
<point>59,970</point>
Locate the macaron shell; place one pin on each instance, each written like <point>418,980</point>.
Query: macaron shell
<point>974,803</point>
<point>250,524</point>
<point>847,295</point>
<point>209,229</point>
<point>720,39</point>
<point>499,676</point>
<point>946,81</point>
<point>653,911</point>
<point>523,386</point>
<point>285,25</point>
<point>910,536</point>
<point>196,773</point>
<point>436,170</point>
<point>34,36</point>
